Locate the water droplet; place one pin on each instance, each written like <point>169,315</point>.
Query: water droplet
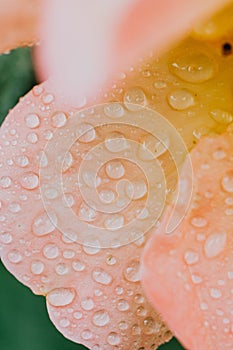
<point>152,147</point>
<point>37,267</point>
<point>193,67</point>
<point>203,306</point>
<point>85,133</point>
<point>101,276</point>
<point>101,318</point>
<point>87,304</point>
<point>62,269</point>
<point>78,265</point>
<point>136,330</point>
<point>44,224</point>
<point>59,120</point>
<point>122,305</point>
<point>51,193</point>
<point>32,137</point>
<point>131,272</point>
<point>111,260</point>
<point>68,200</point>
<point>136,190</point>
<point>215,293</point>
<point>91,246</point>
<point>141,311</point>
<point>122,325</point>
<point>22,161</point>
<point>181,99</point>
<point>51,251</point>
<point>14,207</point>
<point>135,99</point>
<point>198,221</point>
<point>113,339</point>
<point>87,214</point>
<point>149,326</point>
<point>14,256</point>
<point>221,116</point>
<point>160,84</point>
<point>5,181</point>
<point>47,99</point>
<point>78,315</point>
<point>61,297</point>
<point>119,290</point>
<point>215,244</point>
<point>86,334</point>
<point>64,322</point>
<point>114,222</point>
<point>115,169</point>
<point>191,257</point>
<point>32,121</point>
<point>116,142</point>
<point>5,237</point>
<point>139,299</point>
<point>29,181</point>
<point>114,110</point>
<point>227,182</point>
<point>91,179</point>
<point>107,196</point>
<point>219,154</point>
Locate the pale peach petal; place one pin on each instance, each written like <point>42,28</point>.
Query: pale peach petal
<point>18,23</point>
<point>188,274</point>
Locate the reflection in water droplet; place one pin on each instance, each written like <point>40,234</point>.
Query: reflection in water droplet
<point>114,338</point>
<point>191,257</point>
<point>181,99</point>
<point>135,99</point>
<point>101,276</point>
<point>32,121</point>
<point>227,182</point>
<point>85,133</point>
<point>221,116</point>
<point>59,120</point>
<point>114,110</point>
<point>215,244</point>
<point>116,142</point>
<point>29,181</point>
<point>136,190</point>
<point>131,272</point>
<point>14,256</point>
<point>101,318</point>
<point>115,169</point>
<point>37,267</point>
<point>44,224</point>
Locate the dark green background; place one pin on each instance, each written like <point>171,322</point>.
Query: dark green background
<point>24,324</point>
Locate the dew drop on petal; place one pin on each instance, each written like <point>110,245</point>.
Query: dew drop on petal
<point>61,297</point>
<point>101,276</point>
<point>85,133</point>
<point>131,272</point>
<point>227,182</point>
<point>101,318</point>
<point>191,257</point>
<point>113,339</point>
<point>29,181</point>
<point>59,120</point>
<point>215,244</point>
<point>37,267</point>
<point>135,99</point>
<point>181,99</point>
<point>44,224</point>
<point>32,121</point>
<point>114,110</point>
<point>14,256</point>
<point>115,169</point>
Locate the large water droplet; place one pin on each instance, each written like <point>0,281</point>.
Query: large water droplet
<point>59,120</point>
<point>115,169</point>
<point>101,276</point>
<point>101,318</point>
<point>61,297</point>
<point>44,224</point>
<point>14,256</point>
<point>113,338</point>
<point>135,99</point>
<point>107,196</point>
<point>191,257</point>
<point>114,222</point>
<point>131,272</point>
<point>22,161</point>
<point>32,121</point>
<point>215,244</point>
<point>29,181</point>
<point>181,99</point>
<point>227,182</point>
<point>122,305</point>
<point>51,251</point>
<point>37,267</point>
<point>87,304</point>
<point>215,293</point>
<point>116,142</point>
<point>85,133</point>
<point>5,181</point>
<point>221,116</point>
<point>114,110</point>
<point>136,190</point>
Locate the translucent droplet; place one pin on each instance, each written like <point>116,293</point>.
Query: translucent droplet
<point>5,237</point>
<point>135,99</point>
<point>122,305</point>
<point>78,265</point>
<point>91,246</point>
<point>152,147</point>
<point>86,334</point>
<point>136,190</point>
<point>116,142</point>
<point>215,293</point>
<point>14,256</point>
<point>91,179</point>
<point>68,254</point>
<point>85,133</point>
<point>221,116</point>
<point>22,161</point>
<point>114,222</point>
<point>139,299</point>
<point>51,193</point>
<point>101,318</point>
<point>198,221</point>
<point>59,120</point>
<point>37,267</point>
<point>87,214</point>
<point>64,322</point>
<point>122,325</point>
<point>68,200</point>
<point>87,304</point>
<point>113,338</point>
<point>32,121</point>
<point>141,311</point>
<point>44,224</point>
<point>149,326</point>
<point>136,330</point>
<point>61,297</point>
<point>14,207</point>
<point>131,272</point>
<point>51,251</point>
<point>101,276</point>
<point>193,67</point>
<point>181,99</point>
<point>107,196</point>
<point>111,260</point>
<point>29,181</point>
<point>32,137</point>
<point>215,244</point>
<point>114,110</point>
<point>47,99</point>
<point>191,257</point>
<point>115,169</point>
<point>62,269</point>
<point>227,182</point>
<point>5,181</point>
<point>78,315</point>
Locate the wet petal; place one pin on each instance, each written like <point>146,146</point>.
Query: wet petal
<point>192,283</point>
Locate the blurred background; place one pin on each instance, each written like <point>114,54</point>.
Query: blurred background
<point>24,324</point>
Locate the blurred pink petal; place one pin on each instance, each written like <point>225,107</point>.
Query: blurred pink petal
<point>84,43</point>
